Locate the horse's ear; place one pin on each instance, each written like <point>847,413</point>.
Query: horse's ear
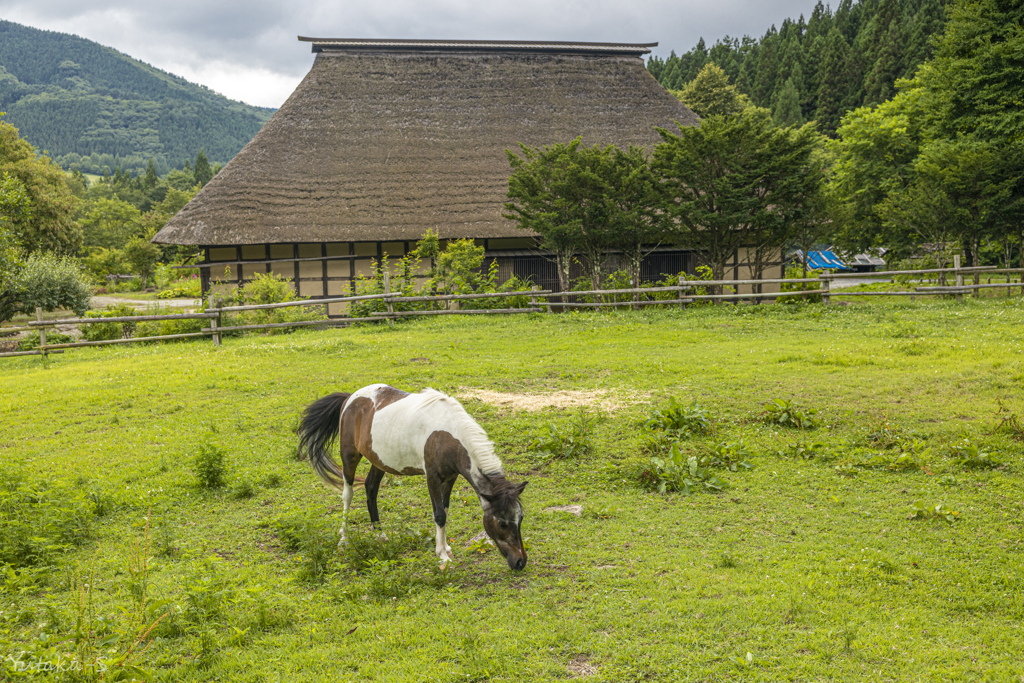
<point>520,486</point>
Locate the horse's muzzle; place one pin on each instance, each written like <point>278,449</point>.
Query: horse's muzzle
<point>516,562</point>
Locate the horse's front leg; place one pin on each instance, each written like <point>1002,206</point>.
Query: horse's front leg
<point>437,499</point>
<point>372,484</point>
<point>446,488</point>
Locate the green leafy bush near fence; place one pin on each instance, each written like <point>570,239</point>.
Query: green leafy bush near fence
<point>267,288</point>
<point>31,342</point>
<point>456,270</point>
<point>101,331</point>
<point>796,272</point>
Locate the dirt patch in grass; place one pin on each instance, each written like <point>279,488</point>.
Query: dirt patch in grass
<point>580,667</point>
<point>591,398</point>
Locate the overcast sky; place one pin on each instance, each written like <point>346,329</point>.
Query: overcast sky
<point>247,49</point>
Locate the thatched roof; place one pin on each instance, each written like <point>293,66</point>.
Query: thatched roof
<point>385,139</point>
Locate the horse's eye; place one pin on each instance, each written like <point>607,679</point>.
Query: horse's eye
<point>504,525</point>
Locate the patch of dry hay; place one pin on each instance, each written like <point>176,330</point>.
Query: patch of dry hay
<point>593,398</point>
<point>580,667</point>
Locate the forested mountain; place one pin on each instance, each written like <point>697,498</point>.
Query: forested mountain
<point>823,67</point>
<point>93,108</point>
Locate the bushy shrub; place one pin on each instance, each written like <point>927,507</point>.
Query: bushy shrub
<point>32,340</point>
<point>269,288</point>
<point>456,270</point>
<point>795,272</point>
<point>189,288</point>
<point>106,331</point>
<point>50,283</point>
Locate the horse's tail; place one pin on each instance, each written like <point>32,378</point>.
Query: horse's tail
<point>321,422</point>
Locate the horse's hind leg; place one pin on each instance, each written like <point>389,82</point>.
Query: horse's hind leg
<point>349,460</point>
<point>372,484</point>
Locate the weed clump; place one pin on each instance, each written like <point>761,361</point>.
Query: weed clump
<point>210,466</point>
<point>788,414</point>
<point>39,522</point>
<point>680,420</point>
<point>936,512</point>
<point>679,473</point>
<point>567,443</point>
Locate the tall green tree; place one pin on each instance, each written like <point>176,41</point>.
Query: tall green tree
<point>50,225</point>
<point>13,205</point>
<point>202,172</point>
<point>587,201</point>
<point>837,78</point>
<point>733,180</point>
<point>976,79</point>
<point>711,93</point>
<point>787,108</point>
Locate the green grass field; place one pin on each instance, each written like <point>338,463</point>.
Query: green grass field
<point>804,568</point>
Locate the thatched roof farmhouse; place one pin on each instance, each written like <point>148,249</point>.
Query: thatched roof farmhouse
<point>385,139</point>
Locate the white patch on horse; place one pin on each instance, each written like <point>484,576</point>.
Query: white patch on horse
<point>399,431</point>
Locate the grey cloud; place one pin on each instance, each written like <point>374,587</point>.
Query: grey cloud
<point>260,34</point>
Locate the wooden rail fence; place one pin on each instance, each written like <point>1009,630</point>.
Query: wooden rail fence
<point>539,302</point>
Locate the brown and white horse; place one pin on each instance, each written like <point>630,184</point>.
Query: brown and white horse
<point>426,433</point>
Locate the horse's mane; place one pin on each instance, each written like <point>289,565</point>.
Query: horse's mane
<point>504,494</point>
<point>473,437</point>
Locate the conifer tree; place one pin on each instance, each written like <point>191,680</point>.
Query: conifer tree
<point>787,109</point>
<point>834,75</point>
<point>203,173</point>
<point>151,178</point>
<point>767,68</point>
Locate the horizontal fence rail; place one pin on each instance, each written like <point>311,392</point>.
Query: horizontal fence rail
<point>540,301</point>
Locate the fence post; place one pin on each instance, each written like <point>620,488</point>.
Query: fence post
<point>42,331</point>
<point>533,299</point>
<point>826,284</point>
<point>683,292</point>
<point>959,277</point>
<point>215,322</point>
<point>387,290</point>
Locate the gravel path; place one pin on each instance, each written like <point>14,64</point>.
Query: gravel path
<point>103,301</point>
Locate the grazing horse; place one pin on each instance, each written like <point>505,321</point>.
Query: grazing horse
<point>426,433</point>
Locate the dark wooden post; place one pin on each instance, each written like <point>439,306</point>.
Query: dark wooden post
<point>826,284</point>
<point>42,331</point>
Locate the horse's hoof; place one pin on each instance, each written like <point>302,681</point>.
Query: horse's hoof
<point>448,551</point>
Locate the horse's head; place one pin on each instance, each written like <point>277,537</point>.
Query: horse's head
<point>503,516</point>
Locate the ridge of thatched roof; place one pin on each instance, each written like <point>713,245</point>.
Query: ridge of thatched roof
<point>405,44</point>
<point>380,145</point>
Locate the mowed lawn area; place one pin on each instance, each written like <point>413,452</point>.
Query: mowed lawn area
<point>826,561</point>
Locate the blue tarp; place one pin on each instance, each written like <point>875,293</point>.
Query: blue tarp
<point>825,260</point>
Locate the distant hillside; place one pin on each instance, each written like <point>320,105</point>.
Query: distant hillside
<point>92,107</point>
